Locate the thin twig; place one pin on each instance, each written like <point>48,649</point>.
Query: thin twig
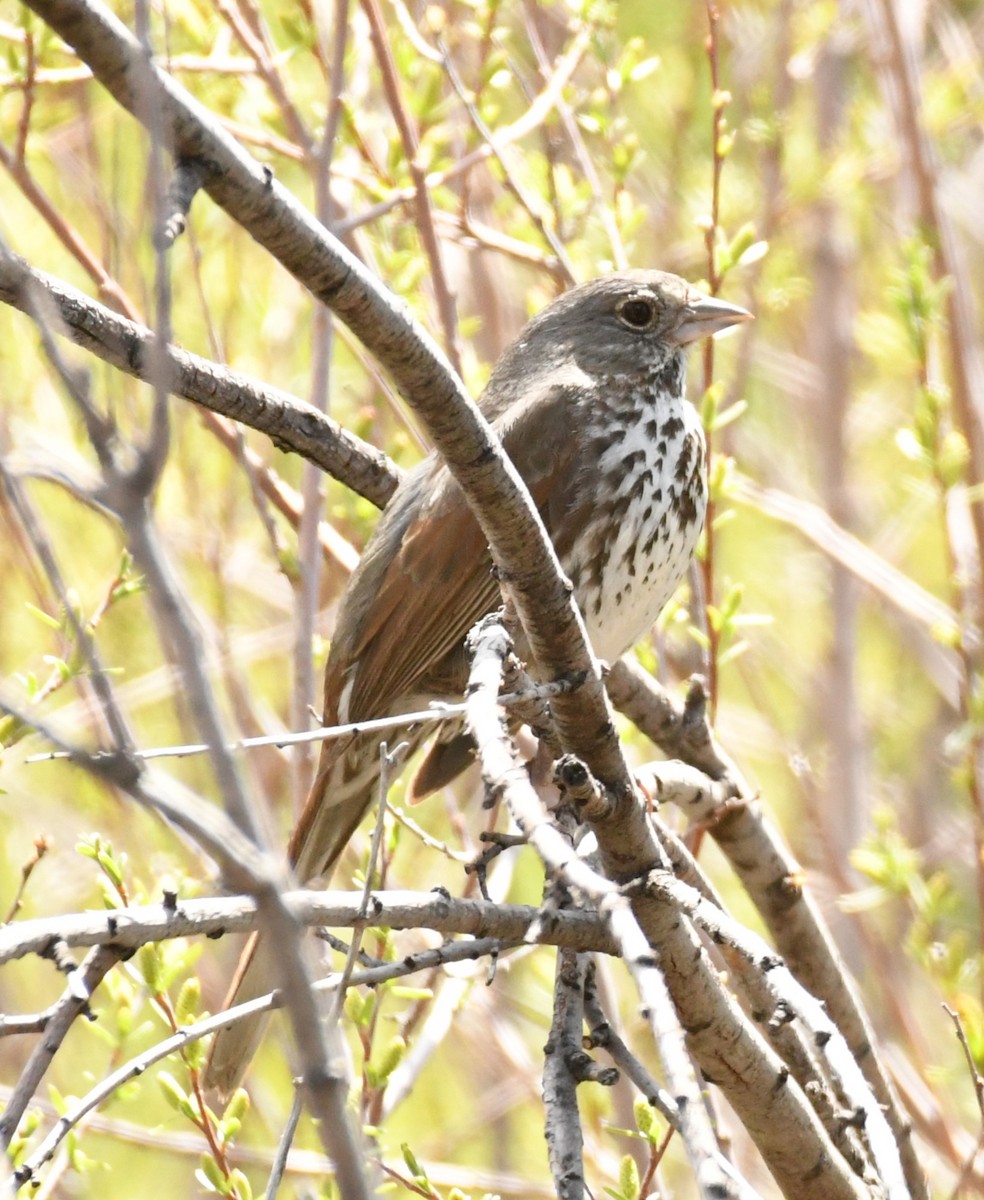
<point>978,1081</point>
<point>136,1067</point>
<point>439,711</point>
<point>387,761</point>
<point>422,206</point>
<point>73,1004</point>
<point>284,1143</point>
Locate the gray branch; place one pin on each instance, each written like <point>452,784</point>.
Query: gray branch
<point>372,977</point>
<point>75,1001</point>
<point>784,1116</point>
<point>129,928</point>
<point>291,424</point>
<point>771,876</point>
<point>565,1145</point>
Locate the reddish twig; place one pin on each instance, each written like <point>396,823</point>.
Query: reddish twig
<point>411,148</point>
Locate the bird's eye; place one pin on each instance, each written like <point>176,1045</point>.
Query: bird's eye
<point>637,313</point>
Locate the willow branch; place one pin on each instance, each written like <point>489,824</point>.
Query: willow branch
<point>135,926</point>
<point>291,423</point>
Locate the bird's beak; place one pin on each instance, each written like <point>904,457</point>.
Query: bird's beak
<point>705,315</point>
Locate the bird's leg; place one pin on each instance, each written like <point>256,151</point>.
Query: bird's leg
<point>494,843</point>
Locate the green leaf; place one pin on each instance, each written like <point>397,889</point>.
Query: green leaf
<point>175,1095</point>
<point>189,1001</point>
<point>953,458</point>
<point>735,650</point>
<point>628,1177</point>
<point>910,446</point>
<point>391,1058</point>
<point>240,1185</point>
<point>699,636</point>
<point>402,992</point>
<point>238,1105</point>
<point>731,413</point>
<point>151,967</point>
<point>414,1167</point>
<point>211,1174</point>
<point>709,403</point>
<point>228,1129</point>
<point>42,616</point>
<point>645,1117</point>
<point>644,69</point>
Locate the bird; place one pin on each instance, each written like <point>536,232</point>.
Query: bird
<point>590,404</point>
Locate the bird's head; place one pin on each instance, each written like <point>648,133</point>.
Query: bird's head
<point>625,323</point>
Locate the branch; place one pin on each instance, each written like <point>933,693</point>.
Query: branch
<point>75,1001</point>
<point>680,731</point>
<point>919,608</point>
<point>373,977</point>
<point>562,1126</point>
<point>729,1048</point>
<point>791,1039</point>
<point>893,54</point>
<point>421,198</point>
<point>771,876</point>
<point>132,927</point>
<point>243,864</point>
<point>796,1001</point>
<point>290,423</point>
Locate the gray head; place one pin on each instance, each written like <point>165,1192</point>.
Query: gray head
<point>628,324</point>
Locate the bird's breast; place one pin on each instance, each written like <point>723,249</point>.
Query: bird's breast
<point>645,502</point>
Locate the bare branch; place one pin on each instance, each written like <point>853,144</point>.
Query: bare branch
<point>129,928</point>
<point>666,959</point>
<point>563,1122</point>
<point>75,1002</point>
<point>289,422</point>
<point>27,1172</point>
<point>421,198</point>
<point>795,999</point>
<point>773,879</point>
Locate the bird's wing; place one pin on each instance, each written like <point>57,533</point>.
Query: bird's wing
<point>439,582</point>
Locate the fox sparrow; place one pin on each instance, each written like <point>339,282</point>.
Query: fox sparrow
<point>590,404</point>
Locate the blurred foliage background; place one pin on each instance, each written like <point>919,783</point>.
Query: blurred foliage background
<point>846,583</point>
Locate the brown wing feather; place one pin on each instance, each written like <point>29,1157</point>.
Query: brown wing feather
<point>438,582</point>
<point>419,589</point>
<point>437,587</point>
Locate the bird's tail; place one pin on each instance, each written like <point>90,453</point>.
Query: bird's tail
<point>343,790</point>
<point>233,1048</point>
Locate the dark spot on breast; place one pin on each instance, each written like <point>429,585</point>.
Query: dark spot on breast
<point>686,506</point>
<point>651,542</point>
<point>652,429</point>
<point>685,462</point>
<point>669,377</point>
<point>672,427</point>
